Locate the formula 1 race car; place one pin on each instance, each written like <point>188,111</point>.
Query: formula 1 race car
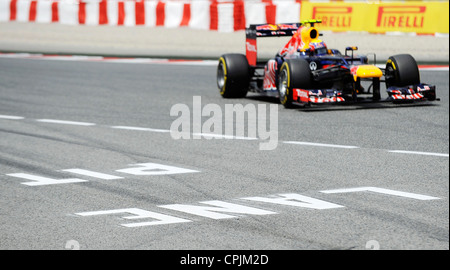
<point>306,72</point>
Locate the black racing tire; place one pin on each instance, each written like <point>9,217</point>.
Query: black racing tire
<point>294,73</point>
<point>401,70</point>
<point>233,78</point>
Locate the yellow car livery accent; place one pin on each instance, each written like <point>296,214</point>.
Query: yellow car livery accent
<point>366,71</point>
<point>392,63</point>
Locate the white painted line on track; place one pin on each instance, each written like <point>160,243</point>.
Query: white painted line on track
<point>64,122</point>
<point>210,135</point>
<point>382,191</point>
<point>357,147</point>
<point>11,117</point>
<point>322,144</point>
<point>418,153</point>
<point>141,129</point>
<point>93,174</point>
<point>220,136</point>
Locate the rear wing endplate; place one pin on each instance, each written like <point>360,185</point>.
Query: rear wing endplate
<point>255,31</point>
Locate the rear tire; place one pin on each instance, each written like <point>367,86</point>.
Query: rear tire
<point>401,70</point>
<point>294,73</point>
<point>233,76</point>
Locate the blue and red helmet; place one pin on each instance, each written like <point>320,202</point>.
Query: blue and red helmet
<point>320,48</point>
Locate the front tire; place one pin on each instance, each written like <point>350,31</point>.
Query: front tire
<point>401,70</point>
<point>294,73</point>
<point>233,76</point>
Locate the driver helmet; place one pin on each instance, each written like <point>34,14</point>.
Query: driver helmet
<point>320,48</point>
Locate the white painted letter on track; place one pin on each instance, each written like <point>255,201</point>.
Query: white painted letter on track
<point>218,206</point>
<point>382,191</point>
<point>44,181</point>
<point>297,200</point>
<point>154,169</point>
<point>138,214</point>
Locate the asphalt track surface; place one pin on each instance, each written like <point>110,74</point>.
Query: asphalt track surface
<point>357,177</point>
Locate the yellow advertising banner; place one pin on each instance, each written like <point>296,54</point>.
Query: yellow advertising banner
<point>380,17</point>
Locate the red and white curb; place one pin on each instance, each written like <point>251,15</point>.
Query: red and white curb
<point>139,60</point>
<point>106,59</point>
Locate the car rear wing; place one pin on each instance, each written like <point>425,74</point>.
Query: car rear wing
<point>255,31</point>
<point>269,30</point>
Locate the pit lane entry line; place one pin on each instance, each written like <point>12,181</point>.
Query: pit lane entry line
<point>75,123</point>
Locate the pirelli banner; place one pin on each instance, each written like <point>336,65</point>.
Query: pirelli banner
<point>380,17</point>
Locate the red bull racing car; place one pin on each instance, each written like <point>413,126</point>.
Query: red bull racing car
<point>306,72</point>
